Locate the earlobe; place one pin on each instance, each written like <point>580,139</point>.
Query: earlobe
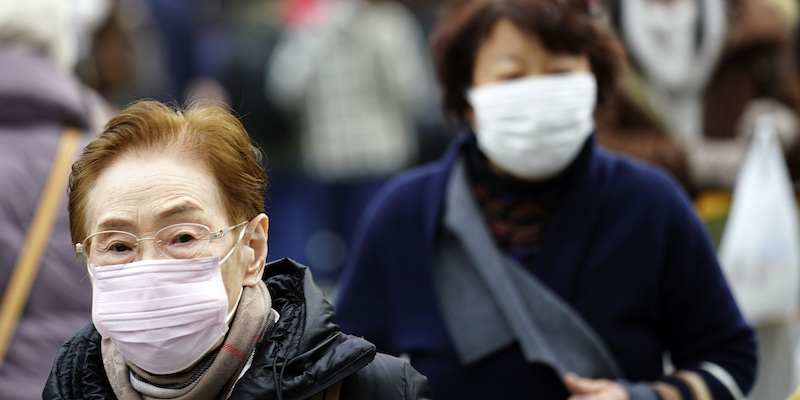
<point>257,241</point>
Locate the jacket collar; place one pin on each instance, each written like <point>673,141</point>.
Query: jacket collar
<point>306,352</point>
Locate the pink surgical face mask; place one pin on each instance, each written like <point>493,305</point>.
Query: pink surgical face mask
<point>162,315</point>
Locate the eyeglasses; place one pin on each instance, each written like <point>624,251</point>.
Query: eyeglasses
<point>181,241</point>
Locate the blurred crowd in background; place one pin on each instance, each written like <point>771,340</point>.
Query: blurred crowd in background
<point>338,94</point>
<point>341,95</point>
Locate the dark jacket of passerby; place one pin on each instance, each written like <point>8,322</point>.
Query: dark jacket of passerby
<point>624,253</point>
<point>37,102</point>
<point>304,354</point>
<point>757,61</point>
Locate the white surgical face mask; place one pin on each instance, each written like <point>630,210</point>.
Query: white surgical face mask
<point>162,315</point>
<point>534,127</point>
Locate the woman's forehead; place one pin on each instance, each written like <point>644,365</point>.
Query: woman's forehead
<point>156,187</point>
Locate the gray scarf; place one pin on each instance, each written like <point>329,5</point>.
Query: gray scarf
<point>489,301</point>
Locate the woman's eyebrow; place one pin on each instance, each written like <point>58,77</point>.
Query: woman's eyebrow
<point>114,223</point>
<point>177,211</point>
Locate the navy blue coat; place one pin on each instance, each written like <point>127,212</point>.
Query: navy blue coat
<point>624,249</point>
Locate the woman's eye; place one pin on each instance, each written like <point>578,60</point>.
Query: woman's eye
<point>119,247</point>
<point>184,238</point>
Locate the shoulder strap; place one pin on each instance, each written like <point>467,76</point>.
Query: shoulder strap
<point>29,260</point>
<point>331,393</point>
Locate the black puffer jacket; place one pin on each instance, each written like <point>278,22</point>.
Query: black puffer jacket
<point>305,354</point>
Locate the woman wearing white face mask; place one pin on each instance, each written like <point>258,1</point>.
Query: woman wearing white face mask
<point>166,209</point>
<point>528,262</point>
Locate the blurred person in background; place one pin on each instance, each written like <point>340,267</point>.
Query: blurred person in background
<point>195,46</point>
<point>41,41</point>
<point>254,28</point>
<point>108,61</point>
<point>527,262</point>
<point>165,206</point>
<point>425,12</point>
<point>355,78</point>
<point>165,50</point>
<point>702,72</point>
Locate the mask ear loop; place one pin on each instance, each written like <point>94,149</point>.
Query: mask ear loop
<point>230,315</point>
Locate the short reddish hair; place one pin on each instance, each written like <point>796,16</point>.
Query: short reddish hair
<point>205,132</point>
<point>564,26</point>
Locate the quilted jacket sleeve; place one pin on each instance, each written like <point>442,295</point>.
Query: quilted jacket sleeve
<point>387,377</point>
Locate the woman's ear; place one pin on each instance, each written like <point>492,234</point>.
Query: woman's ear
<point>256,240</point>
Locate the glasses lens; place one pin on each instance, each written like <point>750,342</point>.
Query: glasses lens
<point>110,248</point>
<point>184,240</point>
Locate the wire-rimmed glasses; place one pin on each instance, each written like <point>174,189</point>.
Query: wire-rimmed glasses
<point>181,241</point>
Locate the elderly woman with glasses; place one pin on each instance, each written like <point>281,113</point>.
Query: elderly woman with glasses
<point>166,208</point>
